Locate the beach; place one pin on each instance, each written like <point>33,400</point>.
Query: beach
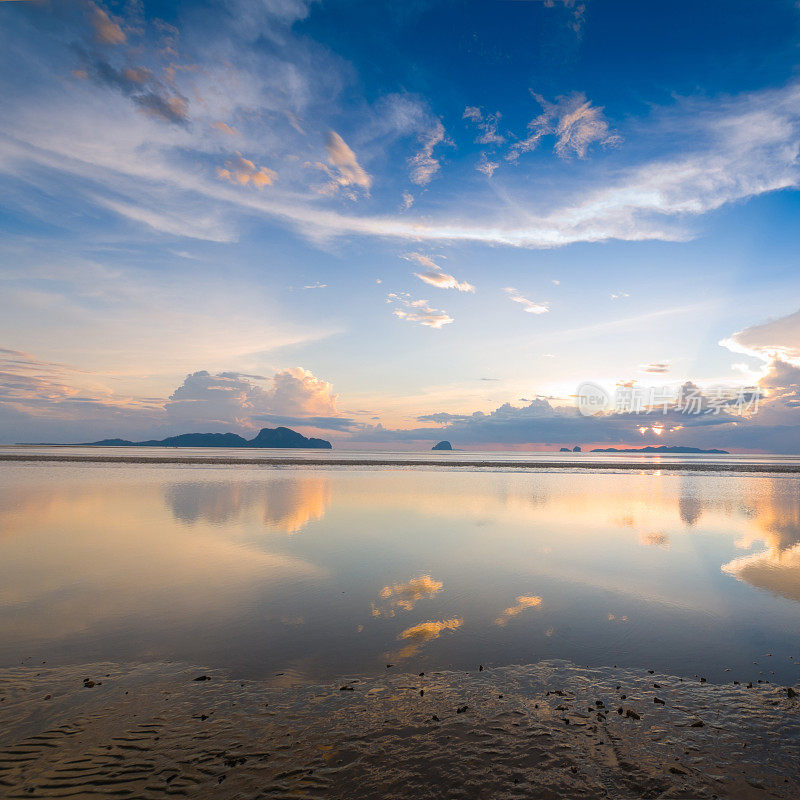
<point>549,730</point>
<point>202,629</point>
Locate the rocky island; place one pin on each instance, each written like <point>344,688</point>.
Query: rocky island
<point>267,437</point>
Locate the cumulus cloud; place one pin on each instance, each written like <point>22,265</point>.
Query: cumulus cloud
<point>243,171</point>
<point>234,399</point>
<point>574,122</point>
<point>298,391</point>
<point>434,275</point>
<point>776,339</point>
<point>423,165</point>
<point>531,306</point>
<point>418,311</point>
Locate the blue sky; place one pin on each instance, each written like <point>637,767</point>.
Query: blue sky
<point>347,215</point>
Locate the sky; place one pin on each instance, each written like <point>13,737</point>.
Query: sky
<point>387,224</point>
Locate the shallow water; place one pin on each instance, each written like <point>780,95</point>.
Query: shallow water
<point>318,573</point>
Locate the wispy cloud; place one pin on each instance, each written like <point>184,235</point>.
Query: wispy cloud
<point>574,122</point>
<point>107,30</point>
<point>344,171</point>
<point>418,311</point>
<point>486,124</point>
<point>656,368</point>
<point>719,151</point>
<point>434,275</point>
<point>531,306</point>
<point>424,165</point>
<point>243,171</point>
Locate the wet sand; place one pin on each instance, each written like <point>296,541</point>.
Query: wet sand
<point>549,730</point>
<point>488,463</point>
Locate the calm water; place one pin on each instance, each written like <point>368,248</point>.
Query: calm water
<point>319,572</point>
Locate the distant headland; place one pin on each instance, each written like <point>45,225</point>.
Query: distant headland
<point>267,437</point>
<point>445,445</point>
<point>663,448</point>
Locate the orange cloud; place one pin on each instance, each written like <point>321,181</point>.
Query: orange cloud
<point>243,171</point>
<point>225,128</point>
<point>419,635</point>
<point>106,29</point>
<point>405,595</point>
<point>523,602</point>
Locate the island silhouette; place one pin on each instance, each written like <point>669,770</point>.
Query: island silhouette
<point>267,437</point>
<point>662,448</point>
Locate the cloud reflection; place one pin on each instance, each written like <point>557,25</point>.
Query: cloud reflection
<point>418,636</point>
<point>523,602</point>
<point>288,504</point>
<point>404,596</point>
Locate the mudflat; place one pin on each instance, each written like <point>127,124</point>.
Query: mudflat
<point>548,730</point>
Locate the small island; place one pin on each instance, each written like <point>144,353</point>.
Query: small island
<point>267,437</point>
<point>659,449</point>
<point>445,445</point>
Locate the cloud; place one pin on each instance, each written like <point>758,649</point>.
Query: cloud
<point>419,635</point>
<point>487,167</point>
<point>298,391</point>
<point>775,339</point>
<point>618,295</point>
<point>225,128</point>
<point>242,171</point>
<point>575,123</point>
<point>39,399</point>
<point>657,368</point>
<point>418,311</point>
<point>423,165</point>
<point>435,276</point>
<point>523,602</point>
<point>321,422</point>
<point>712,151</point>
<point>577,10</point>
<point>243,401</point>
<point>106,29</point>
<point>346,172</point>
<point>152,96</point>
<point>486,124</point>
<point>530,306</point>
<point>404,596</point>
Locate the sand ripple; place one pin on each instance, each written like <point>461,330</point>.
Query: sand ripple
<point>545,731</point>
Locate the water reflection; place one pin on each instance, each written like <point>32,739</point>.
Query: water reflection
<point>404,596</point>
<point>418,636</point>
<point>776,517</point>
<point>287,504</point>
<point>435,569</point>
